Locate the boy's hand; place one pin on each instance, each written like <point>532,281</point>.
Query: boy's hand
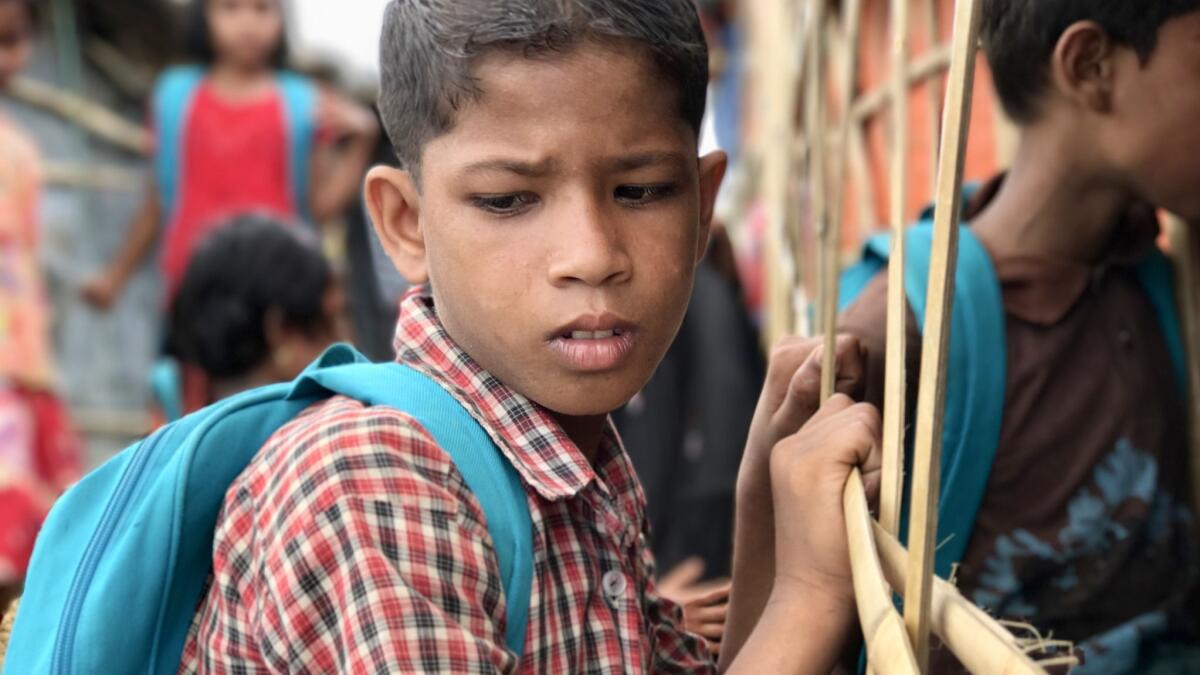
<point>704,603</point>
<point>791,395</point>
<point>808,476</point>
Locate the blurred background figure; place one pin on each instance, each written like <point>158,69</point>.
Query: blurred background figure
<point>39,454</point>
<point>235,132</point>
<point>257,304</point>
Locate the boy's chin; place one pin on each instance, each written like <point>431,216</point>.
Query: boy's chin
<point>588,401</point>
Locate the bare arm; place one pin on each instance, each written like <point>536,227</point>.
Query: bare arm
<point>761,611</point>
<point>338,168</point>
<point>104,290</point>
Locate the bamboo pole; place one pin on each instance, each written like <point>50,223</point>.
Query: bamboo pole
<point>940,297</point>
<point>891,491</point>
<point>1184,252</point>
<point>78,110</point>
<point>883,629</point>
<point>929,21</point>
<point>847,66</point>
<point>978,640</point>
<point>828,232</point>
<point>778,79</point>
<point>924,67</point>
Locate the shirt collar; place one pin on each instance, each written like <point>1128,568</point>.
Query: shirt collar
<point>1043,290</point>
<point>525,432</point>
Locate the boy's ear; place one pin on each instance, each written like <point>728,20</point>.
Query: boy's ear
<point>1082,65</point>
<point>712,173</point>
<point>395,207</point>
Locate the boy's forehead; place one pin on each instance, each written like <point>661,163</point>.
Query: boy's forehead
<point>590,98</point>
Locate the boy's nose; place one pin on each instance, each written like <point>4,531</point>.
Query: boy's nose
<point>590,249</point>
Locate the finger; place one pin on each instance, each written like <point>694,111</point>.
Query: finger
<point>710,632</point>
<point>707,615</point>
<point>714,597</point>
<point>677,580</point>
<point>787,356</point>
<point>851,360</point>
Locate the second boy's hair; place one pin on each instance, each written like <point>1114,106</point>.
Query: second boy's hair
<point>428,47</point>
<point>1019,37</point>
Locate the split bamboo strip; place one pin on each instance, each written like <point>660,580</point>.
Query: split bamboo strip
<point>778,82</point>
<point>846,64</point>
<point>929,21</point>
<point>828,234</point>
<point>931,397</point>
<point>925,67</point>
<point>74,108</point>
<point>1184,252</point>
<point>100,178</point>
<point>883,629</point>
<point>868,217</point>
<point>978,640</point>
<point>891,491</point>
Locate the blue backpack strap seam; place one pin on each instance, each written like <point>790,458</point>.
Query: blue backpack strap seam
<point>171,104</point>
<point>1156,275</point>
<point>300,97</point>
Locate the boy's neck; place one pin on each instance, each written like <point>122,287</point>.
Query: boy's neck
<point>1054,203</point>
<point>586,432</point>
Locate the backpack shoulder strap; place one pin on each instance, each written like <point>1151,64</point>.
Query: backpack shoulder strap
<point>170,103</point>
<point>300,98</point>
<point>1158,280</point>
<point>976,373</point>
<point>489,475</point>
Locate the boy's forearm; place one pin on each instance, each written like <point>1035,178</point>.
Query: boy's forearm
<point>753,556</point>
<point>800,630</point>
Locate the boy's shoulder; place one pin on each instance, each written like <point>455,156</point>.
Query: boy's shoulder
<point>341,449</point>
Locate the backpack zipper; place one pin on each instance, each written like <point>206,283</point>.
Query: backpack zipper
<point>61,662</point>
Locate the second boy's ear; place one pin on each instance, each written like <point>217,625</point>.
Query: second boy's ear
<point>712,174</point>
<point>1082,65</point>
<point>394,205</point>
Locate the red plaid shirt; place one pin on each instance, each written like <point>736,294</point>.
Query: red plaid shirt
<point>352,544</point>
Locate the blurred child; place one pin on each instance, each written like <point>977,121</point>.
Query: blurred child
<point>237,133</point>
<point>39,455</point>
<point>1081,520</point>
<point>257,304</point>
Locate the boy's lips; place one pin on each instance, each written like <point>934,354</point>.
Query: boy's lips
<point>594,343</point>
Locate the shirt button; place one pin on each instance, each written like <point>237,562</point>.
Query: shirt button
<point>614,585</point>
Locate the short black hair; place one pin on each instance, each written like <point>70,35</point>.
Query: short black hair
<point>248,267</point>
<point>428,47</point>
<point>1019,37</point>
<point>197,37</point>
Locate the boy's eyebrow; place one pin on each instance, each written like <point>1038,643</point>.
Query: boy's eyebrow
<point>643,160</point>
<point>519,167</point>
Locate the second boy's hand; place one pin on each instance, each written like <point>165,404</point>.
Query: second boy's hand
<point>787,472</point>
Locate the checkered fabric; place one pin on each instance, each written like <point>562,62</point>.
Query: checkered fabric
<point>351,544</point>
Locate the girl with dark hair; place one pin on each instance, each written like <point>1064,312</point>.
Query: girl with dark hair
<point>258,303</point>
<point>234,132</point>
<point>40,456</point>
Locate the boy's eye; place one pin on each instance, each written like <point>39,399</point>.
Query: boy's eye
<point>504,205</point>
<point>643,194</point>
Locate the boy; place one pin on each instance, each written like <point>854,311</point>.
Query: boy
<point>1085,528</point>
<point>551,197</point>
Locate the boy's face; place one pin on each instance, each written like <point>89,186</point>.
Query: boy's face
<point>16,39</point>
<point>561,221</point>
<point>1154,137</point>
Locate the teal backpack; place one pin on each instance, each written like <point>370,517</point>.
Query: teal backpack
<point>171,103</point>
<point>121,563</point>
<point>976,370</point>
